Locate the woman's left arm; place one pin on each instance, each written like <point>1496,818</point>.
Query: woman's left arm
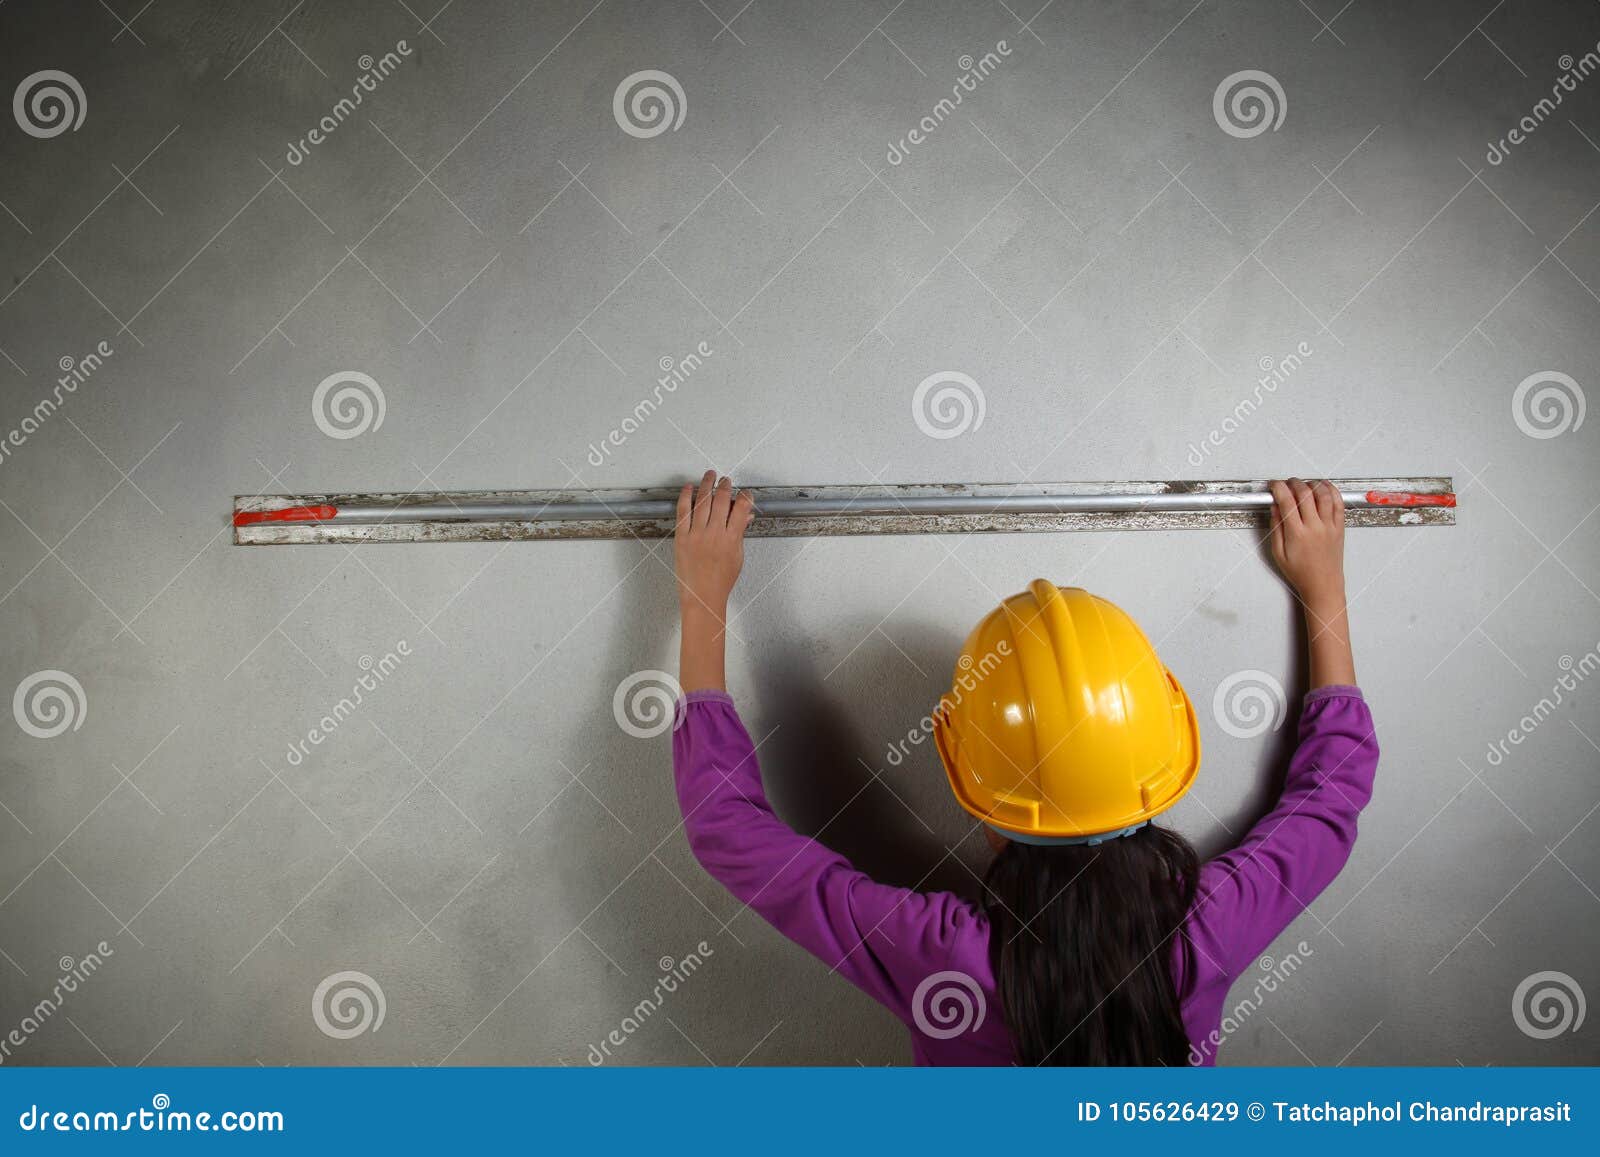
<point>883,939</point>
<point>708,550</point>
<point>878,937</point>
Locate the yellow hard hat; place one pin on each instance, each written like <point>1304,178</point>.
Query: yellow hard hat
<point>1062,725</point>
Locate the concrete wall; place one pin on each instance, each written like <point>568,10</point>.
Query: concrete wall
<point>482,239</point>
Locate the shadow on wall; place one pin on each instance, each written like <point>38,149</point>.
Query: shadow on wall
<point>813,768</point>
<point>1265,780</point>
<point>821,777</point>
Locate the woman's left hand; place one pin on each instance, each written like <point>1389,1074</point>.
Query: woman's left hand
<point>708,546</point>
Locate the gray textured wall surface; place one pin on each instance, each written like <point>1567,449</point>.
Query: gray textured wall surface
<point>1107,254</point>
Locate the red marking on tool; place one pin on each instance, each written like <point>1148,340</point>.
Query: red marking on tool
<point>1404,498</point>
<point>287,514</point>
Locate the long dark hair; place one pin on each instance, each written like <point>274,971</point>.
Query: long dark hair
<point>1081,941</point>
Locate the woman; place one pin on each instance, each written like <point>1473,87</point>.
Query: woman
<point>1101,939</point>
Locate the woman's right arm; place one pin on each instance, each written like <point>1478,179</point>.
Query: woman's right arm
<point>1308,546</point>
<point>1251,894</point>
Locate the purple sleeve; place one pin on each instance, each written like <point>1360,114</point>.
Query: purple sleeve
<point>1249,895</point>
<point>884,940</point>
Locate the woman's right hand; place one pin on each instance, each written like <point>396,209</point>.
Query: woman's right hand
<point>1308,541</point>
<point>1308,546</point>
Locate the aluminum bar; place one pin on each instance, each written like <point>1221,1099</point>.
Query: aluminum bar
<point>788,511</point>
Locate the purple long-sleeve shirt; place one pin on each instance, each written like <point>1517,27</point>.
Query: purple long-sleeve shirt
<point>925,955</point>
